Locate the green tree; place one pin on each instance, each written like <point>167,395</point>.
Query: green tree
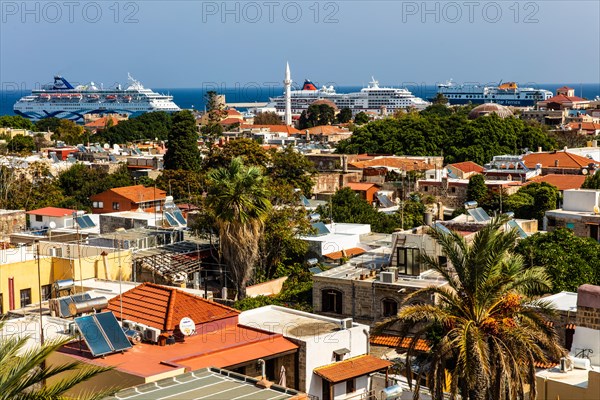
<point>249,150</point>
<point>490,326</point>
<point>69,132</point>
<point>533,200</point>
<point>345,115</point>
<point>267,118</point>
<point>47,124</point>
<point>24,372</point>
<point>182,184</point>
<point>315,115</point>
<point>293,169</point>
<point>476,189</point>
<point>21,144</point>
<point>570,260</point>
<point>15,122</point>
<point>361,118</point>
<point>592,181</point>
<point>29,190</point>
<point>440,99</point>
<point>182,149</point>
<point>239,200</point>
<point>212,130</point>
<point>147,126</point>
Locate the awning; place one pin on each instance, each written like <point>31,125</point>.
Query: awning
<point>351,368</point>
<point>336,255</point>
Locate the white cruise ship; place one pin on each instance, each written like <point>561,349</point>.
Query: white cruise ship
<point>371,98</point>
<point>506,94</point>
<point>62,100</point>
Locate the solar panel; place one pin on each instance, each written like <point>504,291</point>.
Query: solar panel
<point>513,224</point>
<point>82,223</point>
<point>304,201</point>
<point>179,217</point>
<point>321,228</point>
<point>479,214</point>
<point>88,221</point>
<point>442,228</point>
<point>93,335</point>
<point>171,219</point>
<point>113,331</point>
<point>79,298</point>
<point>112,158</point>
<point>64,306</point>
<point>384,200</point>
<point>315,270</point>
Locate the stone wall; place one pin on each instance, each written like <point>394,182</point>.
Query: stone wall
<point>11,221</point>
<point>588,306</point>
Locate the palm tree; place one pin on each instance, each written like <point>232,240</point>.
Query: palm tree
<point>23,372</point>
<point>491,329</point>
<point>238,198</point>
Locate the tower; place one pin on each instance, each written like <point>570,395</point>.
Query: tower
<point>287,82</point>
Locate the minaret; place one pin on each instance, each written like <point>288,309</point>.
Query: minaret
<point>287,82</point>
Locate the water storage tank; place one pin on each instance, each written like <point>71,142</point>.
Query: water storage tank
<point>95,304</point>
<point>391,392</point>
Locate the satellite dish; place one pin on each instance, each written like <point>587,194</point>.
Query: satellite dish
<point>52,225</point>
<point>187,326</point>
<point>584,171</point>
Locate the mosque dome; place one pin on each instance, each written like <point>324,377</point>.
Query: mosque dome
<point>490,108</point>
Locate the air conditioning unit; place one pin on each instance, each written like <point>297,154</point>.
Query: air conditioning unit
<point>346,323</point>
<point>127,324</point>
<point>394,270</point>
<point>151,334</point>
<point>387,277</point>
<point>139,327</point>
<point>74,329</point>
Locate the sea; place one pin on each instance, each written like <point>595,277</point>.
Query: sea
<point>194,98</point>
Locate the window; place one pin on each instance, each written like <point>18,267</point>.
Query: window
<point>116,205</point>
<point>570,225</point>
<point>409,261</point>
<point>551,222</point>
<point>595,232</point>
<point>453,190</point>
<point>331,301</point>
<point>46,292</point>
<point>39,218</point>
<point>425,188</point>
<point>351,386</point>
<point>326,390</point>
<point>390,307</point>
<point>1,304</point>
<point>98,204</point>
<point>25,297</point>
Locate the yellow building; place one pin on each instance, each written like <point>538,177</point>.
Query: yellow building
<point>19,283</point>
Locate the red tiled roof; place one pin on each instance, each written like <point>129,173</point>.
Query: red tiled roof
<point>561,98</point>
<point>233,111</point>
<point>102,122</point>
<point>137,193</point>
<point>586,126</point>
<point>562,182</point>
<point>468,166</point>
<point>548,159</point>
<point>360,186</point>
<point>351,368</point>
<point>230,121</point>
<point>163,307</point>
<point>52,212</point>
<point>397,341</point>
<point>336,255</point>
<point>544,365</point>
<point>570,326</point>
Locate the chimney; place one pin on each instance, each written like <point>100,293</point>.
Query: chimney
<point>539,149</point>
<point>556,163</point>
<point>594,143</point>
<point>345,163</point>
<point>565,149</point>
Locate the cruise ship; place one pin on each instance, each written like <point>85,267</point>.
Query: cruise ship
<point>506,94</point>
<point>371,98</point>
<point>62,100</point>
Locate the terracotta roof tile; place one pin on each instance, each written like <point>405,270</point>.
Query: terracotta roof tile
<point>586,126</point>
<point>327,130</point>
<point>163,307</point>
<point>52,212</point>
<point>102,122</point>
<point>230,121</point>
<point>397,341</point>
<point>562,182</point>
<point>544,365</point>
<point>137,193</point>
<point>360,186</point>
<point>336,255</point>
<point>561,98</point>
<point>290,130</point>
<point>468,166</point>
<point>548,159</point>
<point>351,368</point>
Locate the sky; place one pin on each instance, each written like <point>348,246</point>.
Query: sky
<point>173,44</point>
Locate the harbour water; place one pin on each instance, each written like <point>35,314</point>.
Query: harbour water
<point>194,97</point>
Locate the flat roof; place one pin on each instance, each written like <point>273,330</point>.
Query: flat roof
<point>209,383</point>
<point>350,271</point>
<point>29,326</point>
<point>290,323</point>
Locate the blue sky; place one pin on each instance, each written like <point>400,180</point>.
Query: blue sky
<point>202,43</point>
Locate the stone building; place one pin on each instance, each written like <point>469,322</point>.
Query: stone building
<point>580,213</point>
<point>11,221</point>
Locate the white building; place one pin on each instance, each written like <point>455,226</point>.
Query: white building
<point>326,344</point>
<point>52,217</point>
<point>336,237</point>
